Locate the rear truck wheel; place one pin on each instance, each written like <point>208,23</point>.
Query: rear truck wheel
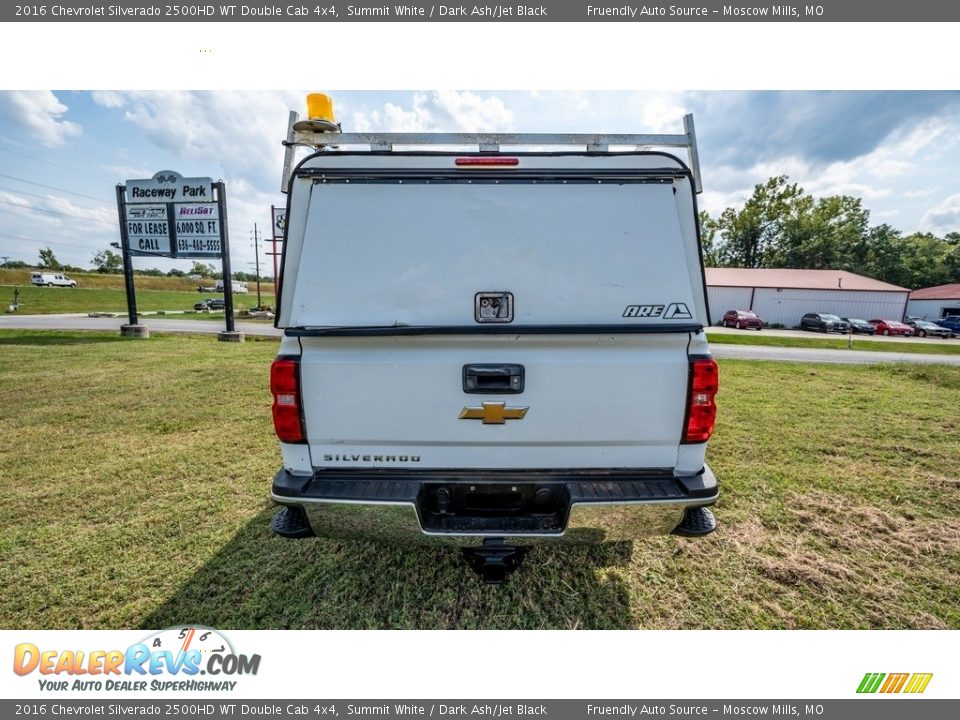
<point>738,326</point>
<point>49,284</point>
<point>696,522</point>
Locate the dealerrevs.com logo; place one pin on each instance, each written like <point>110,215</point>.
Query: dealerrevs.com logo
<point>891,683</point>
<point>172,659</point>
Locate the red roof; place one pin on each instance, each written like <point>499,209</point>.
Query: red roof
<point>940,292</point>
<point>796,279</point>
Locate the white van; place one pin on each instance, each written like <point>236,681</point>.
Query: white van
<point>238,287</point>
<point>492,348</point>
<point>52,280</point>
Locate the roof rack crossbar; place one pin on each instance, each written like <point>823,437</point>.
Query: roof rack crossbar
<point>493,142</point>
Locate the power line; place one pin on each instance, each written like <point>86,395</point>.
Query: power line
<point>46,197</point>
<point>58,214</point>
<point>42,242</point>
<point>51,187</point>
<point>53,164</point>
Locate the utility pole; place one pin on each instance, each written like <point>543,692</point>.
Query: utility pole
<point>256,254</point>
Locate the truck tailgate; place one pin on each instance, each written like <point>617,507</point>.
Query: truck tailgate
<point>592,401</point>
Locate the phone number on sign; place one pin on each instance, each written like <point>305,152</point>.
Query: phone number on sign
<point>208,245</point>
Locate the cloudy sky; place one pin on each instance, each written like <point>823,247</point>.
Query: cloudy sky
<point>62,153</point>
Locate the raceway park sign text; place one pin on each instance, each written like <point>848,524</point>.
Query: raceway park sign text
<point>169,186</point>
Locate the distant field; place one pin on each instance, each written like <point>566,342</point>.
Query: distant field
<point>46,300</point>
<point>95,280</point>
<point>134,492</point>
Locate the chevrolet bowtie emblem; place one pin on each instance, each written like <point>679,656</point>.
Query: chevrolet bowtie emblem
<point>493,413</point>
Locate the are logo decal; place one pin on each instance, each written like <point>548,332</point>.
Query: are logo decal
<point>672,311</point>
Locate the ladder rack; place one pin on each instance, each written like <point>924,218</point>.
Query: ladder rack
<point>492,142</point>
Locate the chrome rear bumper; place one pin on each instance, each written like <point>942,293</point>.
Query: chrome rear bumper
<point>584,507</point>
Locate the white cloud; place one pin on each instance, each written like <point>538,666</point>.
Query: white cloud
<point>108,98</point>
<point>235,134</point>
<point>58,210</point>
<point>127,171</point>
<point>441,111</point>
<point>943,218</point>
<point>39,113</point>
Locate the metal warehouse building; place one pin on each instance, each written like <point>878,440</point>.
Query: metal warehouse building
<point>935,302</point>
<point>784,296</point>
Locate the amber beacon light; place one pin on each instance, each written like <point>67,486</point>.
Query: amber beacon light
<point>320,117</point>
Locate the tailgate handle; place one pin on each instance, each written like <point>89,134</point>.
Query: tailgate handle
<point>493,379</point>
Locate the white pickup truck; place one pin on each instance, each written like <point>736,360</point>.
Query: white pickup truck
<point>490,347</point>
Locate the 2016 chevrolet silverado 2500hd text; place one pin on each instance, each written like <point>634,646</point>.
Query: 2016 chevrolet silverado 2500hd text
<point>492,348</point>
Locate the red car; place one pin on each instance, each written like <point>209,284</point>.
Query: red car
<point>741,319</point>
<point>891,327</point>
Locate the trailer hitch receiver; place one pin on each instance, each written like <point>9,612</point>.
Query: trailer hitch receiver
<point>494,560</point>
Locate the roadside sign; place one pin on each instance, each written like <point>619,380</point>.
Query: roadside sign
<point>169,186</point>
<point>279,222</point>
<point>172,216</point>
<point>148,231</point>
<point>196,228</point>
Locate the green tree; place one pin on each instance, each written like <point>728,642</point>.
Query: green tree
<point>107,261</point>
<point>48,260</point>
<point>202,270</point>
<point>826,234</point>
<point>709,242</point>
<point>752,236</point>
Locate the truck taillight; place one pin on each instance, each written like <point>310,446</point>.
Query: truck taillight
<point>701,396</point>
<point>285,387</point>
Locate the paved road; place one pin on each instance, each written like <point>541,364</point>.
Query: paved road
<point>742,352</point>
<point>82,322</point>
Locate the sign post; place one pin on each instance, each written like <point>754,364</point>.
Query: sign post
<point>169,215</point>
<point>133,328</point>
<point>279,217</point>
<point>231,335</point>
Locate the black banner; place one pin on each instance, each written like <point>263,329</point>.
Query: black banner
<point>333,11</point>
<point>215,708</point>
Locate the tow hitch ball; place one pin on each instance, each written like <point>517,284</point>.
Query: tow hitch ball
<point>494,560</point>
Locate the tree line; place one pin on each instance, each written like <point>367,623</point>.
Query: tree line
<point>783,226</point>
<point>110,263</point>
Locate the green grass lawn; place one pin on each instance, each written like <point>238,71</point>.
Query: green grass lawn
<point>924,346</point>
<point>44,300</point>
<point>134,481</point>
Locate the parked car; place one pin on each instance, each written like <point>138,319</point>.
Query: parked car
<point>52,280</point>
<point>923,328</point>
<point>892,327</point>
<point>741,319</point>
<point>823,322</point>
<point>209,304</point>
<point>951,323</point>
<point>860,327</point>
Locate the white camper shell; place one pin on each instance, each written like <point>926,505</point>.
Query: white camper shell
<point>493,346</point>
